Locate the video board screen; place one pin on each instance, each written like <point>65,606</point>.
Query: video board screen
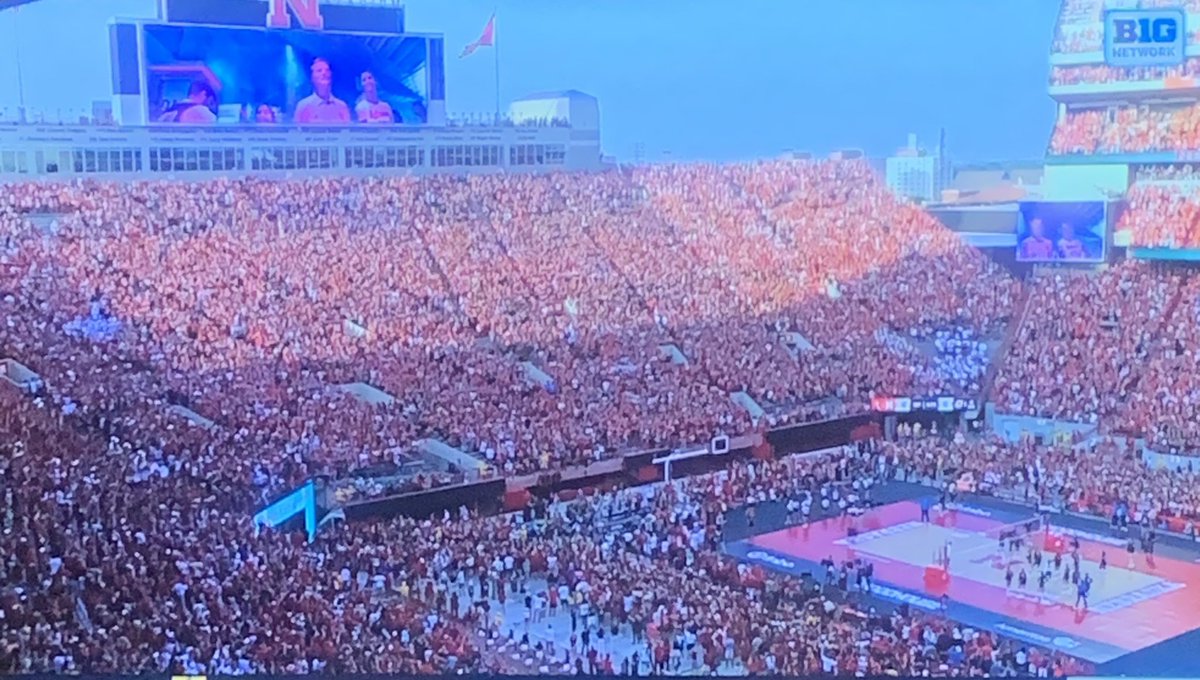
<point>206,75</point>
<point>922,404</point>
<point>1061,231</point>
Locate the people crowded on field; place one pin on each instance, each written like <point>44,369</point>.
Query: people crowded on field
<point>187,585</point>
<point>163,575</point>
<point>203,347</point>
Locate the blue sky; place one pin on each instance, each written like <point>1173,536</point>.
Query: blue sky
<point>695,79</point>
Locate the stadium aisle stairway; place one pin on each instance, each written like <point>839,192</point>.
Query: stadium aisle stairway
<point>1011,331</point>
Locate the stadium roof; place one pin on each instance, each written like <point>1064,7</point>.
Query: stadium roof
<point>992,196</point>
<point>1000,165</point>
<point>981,179</point>
<point>555,94</point>
<point>9,4</point>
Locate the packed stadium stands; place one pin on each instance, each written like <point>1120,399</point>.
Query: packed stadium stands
<point>231,300</point>
<point>185,585</point>
<point>1116,347</point>
<point>1082,339</point>
<point>1103,73</point>
<point>1127,129</point>
<point>248,303</point>
<point>541,346</point>
<point>1168,399</point>
<point>246,326</point>
<point>1163,213</point>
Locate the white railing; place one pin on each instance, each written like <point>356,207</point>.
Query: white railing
<point>34,116</point>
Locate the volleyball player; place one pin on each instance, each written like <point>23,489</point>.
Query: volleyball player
<point>1081,596</point>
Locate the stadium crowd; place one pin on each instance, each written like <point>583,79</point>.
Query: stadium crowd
<point>1076,38</point>
<point>1088,479</point>
<point>1080,11</point>
<point>1163,214</point>
<point>1080,29</point>
<point>161,574</point>
<point>1127,129</point>
<point>193,342</point>
<point>108,574</point>
<point>1116,347</point>
<point>1075,354</point>
<point>1103,73</point>
<point>524,319</point>
<point>1088,36</point>
<point>1168,398</point>
<point>1172,171</point>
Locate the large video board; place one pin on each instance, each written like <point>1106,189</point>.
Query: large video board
<point>1062,231</point>
<point>205,75</point>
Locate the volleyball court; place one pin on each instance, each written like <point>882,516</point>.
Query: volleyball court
<point>1052,570</point>
<point>1030,559</point>
<point>975,557</point>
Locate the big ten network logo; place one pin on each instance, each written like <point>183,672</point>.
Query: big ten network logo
<point>307,13</point>
<point>1152,37</point>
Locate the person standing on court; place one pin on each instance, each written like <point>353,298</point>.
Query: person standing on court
<point>1085,586</point>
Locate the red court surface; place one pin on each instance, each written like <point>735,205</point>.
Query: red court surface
<point>1129,608</point>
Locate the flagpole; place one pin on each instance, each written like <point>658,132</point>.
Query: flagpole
<point>20,74</point>
<point>496,62</point>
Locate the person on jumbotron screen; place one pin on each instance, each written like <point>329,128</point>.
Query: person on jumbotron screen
<point>196,109</point>
<point>264,114</point>
<point>370,108</point>
<point>1069,245</point>
<point>322,107</point>
<point>1037,246</point>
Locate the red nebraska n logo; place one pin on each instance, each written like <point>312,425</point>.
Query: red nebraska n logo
<point>308,12</point>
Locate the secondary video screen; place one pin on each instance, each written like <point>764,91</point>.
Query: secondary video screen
<point>1049,231</point>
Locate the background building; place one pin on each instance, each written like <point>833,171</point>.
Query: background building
<point>915,173</point>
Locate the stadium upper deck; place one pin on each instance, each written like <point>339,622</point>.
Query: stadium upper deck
<point>1117,127</point>
<point>1131,114</point>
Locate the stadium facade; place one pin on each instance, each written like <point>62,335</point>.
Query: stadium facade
<point>150,152</point>
<point>154,57</point>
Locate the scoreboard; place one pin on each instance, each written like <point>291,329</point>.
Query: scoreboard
<point>256,61</point>
<point>941,404</point>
